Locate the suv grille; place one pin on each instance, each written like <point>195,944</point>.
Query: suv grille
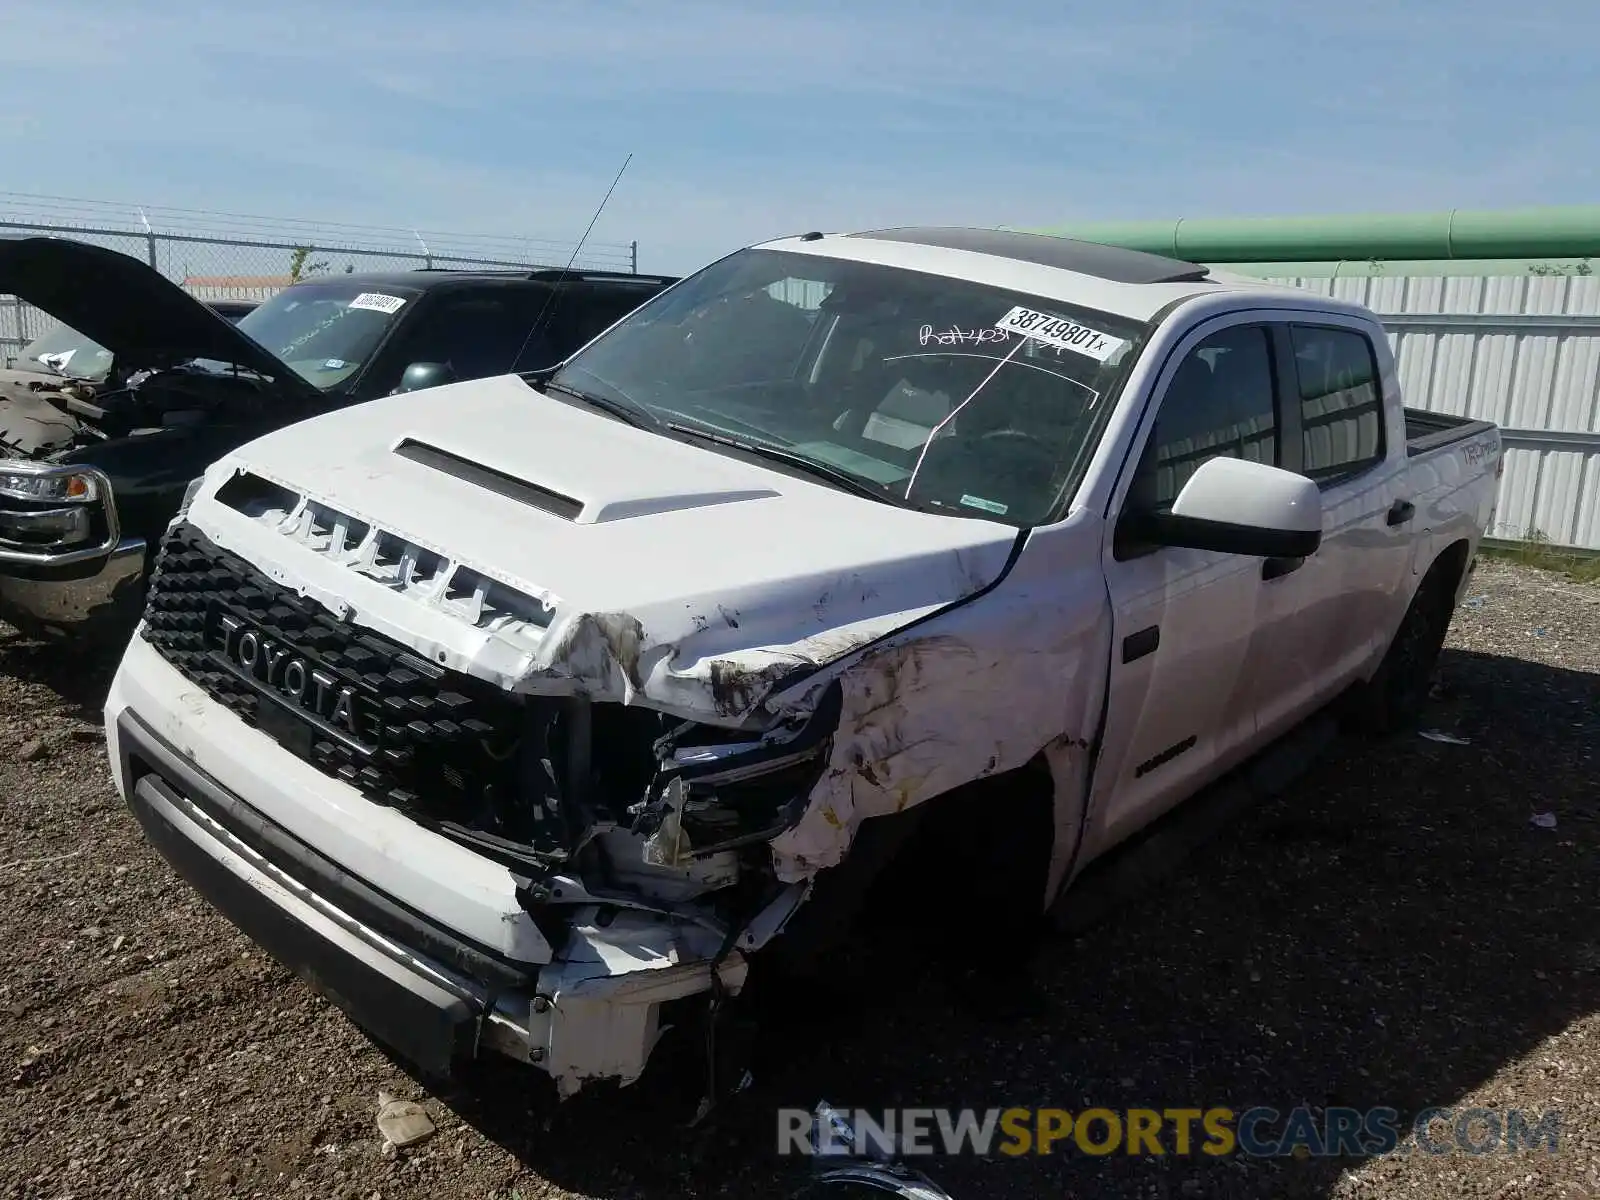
<point>357,705</point>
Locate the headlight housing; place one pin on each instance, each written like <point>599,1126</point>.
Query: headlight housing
<point>57,485</point>
<point>719,795</point>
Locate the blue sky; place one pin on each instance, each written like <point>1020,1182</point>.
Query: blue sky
<point>748,120</point>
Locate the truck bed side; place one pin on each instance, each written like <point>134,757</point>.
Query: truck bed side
<point>1455,465</point>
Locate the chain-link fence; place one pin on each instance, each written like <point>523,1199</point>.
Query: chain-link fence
<point>221,256</point>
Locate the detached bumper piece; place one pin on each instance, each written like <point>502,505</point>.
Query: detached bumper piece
<point>360,953</point>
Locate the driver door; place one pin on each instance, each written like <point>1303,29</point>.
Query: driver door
<point>1185,621</point>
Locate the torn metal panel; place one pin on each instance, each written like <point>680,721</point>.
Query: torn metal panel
<point>968,694</point>
<point>603,997</point>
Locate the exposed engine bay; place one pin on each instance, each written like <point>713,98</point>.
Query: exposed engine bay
<point>43,417</point>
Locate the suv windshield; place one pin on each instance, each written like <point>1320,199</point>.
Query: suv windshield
<point>326,331</point>
<point>65,351</point>
<point>927,391</point>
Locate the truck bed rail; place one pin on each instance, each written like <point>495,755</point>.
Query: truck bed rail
<point>1429,431</point>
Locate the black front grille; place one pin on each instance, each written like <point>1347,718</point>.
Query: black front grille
<point>359,706</point>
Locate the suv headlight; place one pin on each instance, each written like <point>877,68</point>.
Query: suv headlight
<point>55,486</point>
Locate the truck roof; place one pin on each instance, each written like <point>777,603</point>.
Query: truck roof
<point>1129,283</point>
<point>427,278</point>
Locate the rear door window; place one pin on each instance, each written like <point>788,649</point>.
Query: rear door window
<point>1341,402</point>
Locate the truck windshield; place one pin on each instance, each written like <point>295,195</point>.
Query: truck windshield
<point>325,331</point>
<point>925,391</point>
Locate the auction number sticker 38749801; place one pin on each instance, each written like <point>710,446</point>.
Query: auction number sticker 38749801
<point>378,302</point>
<point>1059,331</point>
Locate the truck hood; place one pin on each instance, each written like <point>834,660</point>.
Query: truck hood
<point>655,570</point>
<point>131,309</point>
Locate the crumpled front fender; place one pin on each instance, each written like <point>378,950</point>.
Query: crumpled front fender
<point>975,691</point>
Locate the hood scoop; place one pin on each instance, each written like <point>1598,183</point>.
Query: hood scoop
<point>569,508</point>
<point>499,482</point>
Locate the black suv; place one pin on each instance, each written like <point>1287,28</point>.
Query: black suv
<point>88,480</point>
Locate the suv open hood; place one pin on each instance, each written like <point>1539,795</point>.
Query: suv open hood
<point>143,318</point>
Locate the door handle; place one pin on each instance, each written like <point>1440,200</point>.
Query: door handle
<point>1137,645</point>
<point>1277,568</point>
<point>1401,511</point>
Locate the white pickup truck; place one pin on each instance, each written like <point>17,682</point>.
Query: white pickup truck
<point>529,715</point>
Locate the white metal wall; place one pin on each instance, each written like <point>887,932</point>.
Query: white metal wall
<point>1522,351</point>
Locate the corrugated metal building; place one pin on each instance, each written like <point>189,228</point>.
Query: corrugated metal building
<point>1491,315</point>
<point>1521,350</point>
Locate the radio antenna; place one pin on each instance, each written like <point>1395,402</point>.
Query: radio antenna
<point>549,301</point>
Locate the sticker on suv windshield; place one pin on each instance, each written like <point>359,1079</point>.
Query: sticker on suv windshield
<point>378,302</point>
<point>993,506</point>
<point>1059,331</point>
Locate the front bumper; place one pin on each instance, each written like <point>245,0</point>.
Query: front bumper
<point>434,996</point>
<point>424,1012</point>
<point>86,598</point>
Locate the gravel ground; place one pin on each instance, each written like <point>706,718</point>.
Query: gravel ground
<point>1396,932</point>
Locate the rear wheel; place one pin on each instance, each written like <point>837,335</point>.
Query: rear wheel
<point>1394,699</point>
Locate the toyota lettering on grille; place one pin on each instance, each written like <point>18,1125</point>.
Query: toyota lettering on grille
<point>290,677</point>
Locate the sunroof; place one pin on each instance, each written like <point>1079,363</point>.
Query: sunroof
<point>1089,258</point>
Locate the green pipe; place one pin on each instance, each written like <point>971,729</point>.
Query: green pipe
<point>1411,268</point>
<point>1572,232</point>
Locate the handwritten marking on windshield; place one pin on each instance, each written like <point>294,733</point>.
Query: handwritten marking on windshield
<point>1060,331</point>
<point>952,414</point>
<point>955,336</point>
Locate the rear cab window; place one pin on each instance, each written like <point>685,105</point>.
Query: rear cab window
<point>1341,402</point>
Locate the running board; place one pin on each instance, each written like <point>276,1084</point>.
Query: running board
<point>1129,873</point>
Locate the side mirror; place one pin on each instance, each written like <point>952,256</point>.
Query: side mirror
<point>1233,506</point>
<point>421,375</point>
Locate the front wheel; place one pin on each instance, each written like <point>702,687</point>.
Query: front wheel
<point>1393,700</point>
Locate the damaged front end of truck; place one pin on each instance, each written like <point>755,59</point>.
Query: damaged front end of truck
<point>663,822</point>
<point>638,671</point>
